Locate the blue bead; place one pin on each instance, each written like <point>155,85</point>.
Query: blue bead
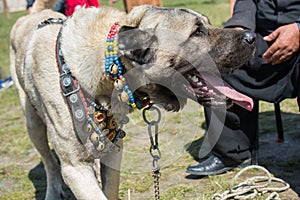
<point>102,137</point>
<point>110,48</point>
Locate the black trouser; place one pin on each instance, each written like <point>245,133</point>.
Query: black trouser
<point>234,144</point>
<point>271,83</point>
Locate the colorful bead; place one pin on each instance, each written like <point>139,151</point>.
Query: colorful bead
<point>102,126</point>
<point>115,69</point>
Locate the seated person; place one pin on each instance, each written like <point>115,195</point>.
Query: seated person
<point>271,75</point>
<point>59,6</point>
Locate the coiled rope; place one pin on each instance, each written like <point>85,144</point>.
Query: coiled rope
<point>253,186</point>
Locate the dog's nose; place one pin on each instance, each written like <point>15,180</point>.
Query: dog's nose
<point>249,37</point>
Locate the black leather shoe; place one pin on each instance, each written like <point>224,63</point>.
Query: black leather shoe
<point>211,166</point>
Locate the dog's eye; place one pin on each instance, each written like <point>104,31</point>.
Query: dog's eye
<point>198,33</point>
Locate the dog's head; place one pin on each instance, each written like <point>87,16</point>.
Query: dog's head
<point>173,54</point>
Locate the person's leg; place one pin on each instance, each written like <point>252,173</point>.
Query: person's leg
<point>234,143</point>
<point>258,80</point>
<point>60,6</point>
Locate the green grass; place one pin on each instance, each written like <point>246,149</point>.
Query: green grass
<point>5,26</point>
<point>22,175</point>
<point>216,10</point>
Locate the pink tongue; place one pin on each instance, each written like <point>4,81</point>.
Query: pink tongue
<point>237,98</point>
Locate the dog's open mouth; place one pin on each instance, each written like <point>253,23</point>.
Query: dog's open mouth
<point>211,91</point>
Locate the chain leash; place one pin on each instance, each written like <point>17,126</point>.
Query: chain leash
<point>154,150</point>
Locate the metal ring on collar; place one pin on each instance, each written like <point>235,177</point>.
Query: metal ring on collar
<point>152,108</point>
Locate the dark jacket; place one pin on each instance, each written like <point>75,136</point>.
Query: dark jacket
<point>262,81</point>
<point>264,16</point>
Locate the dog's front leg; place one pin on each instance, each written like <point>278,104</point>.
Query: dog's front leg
<point>110,173</point>
<point>82,181</point>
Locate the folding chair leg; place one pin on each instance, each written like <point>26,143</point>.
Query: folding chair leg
<point>280,136</point>
<point>254,153</point>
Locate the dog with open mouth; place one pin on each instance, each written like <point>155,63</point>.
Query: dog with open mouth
<point>77,78</point>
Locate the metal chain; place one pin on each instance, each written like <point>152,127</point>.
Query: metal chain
<point>154,146</point>
<point>156,176</point>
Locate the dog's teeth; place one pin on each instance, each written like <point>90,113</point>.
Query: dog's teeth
<point>127,53</point>
<point>205,88</point>
<point>200,83</point>
<point>195,79</point>
<point>189,91</point>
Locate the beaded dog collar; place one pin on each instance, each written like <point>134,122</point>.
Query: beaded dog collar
<point>115,69</point>
<point>92,120</point>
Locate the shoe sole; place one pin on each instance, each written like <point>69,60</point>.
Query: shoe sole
<point>6,85</point>
<point>221,171</point>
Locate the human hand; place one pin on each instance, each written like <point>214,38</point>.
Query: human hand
<point>286,44</point>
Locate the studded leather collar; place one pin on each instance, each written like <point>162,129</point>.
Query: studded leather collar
<point>91,120</point>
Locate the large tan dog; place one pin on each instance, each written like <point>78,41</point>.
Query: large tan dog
<point>165,53</point>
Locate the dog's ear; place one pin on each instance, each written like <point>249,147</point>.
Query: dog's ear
<point>135,16</point>
<point>137,45</point>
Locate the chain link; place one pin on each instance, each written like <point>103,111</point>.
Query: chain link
<point>156,176</point>
<point>154,146</point>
